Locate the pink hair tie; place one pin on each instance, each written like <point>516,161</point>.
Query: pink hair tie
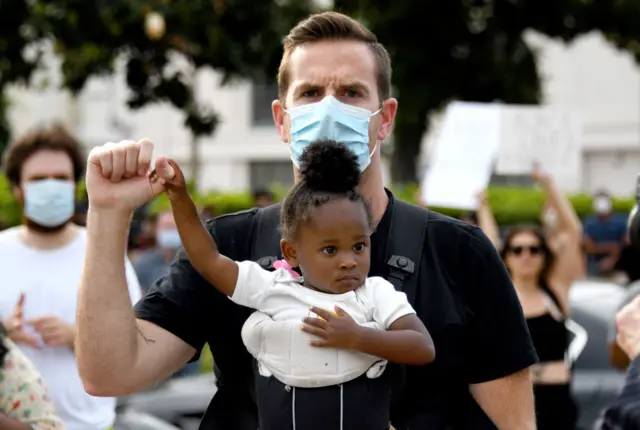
<point>282,264</point>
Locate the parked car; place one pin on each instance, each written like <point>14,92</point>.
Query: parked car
<point>179,401</point>
<point>129,419</point>
<point>182,402</point>
<point>595,382</point>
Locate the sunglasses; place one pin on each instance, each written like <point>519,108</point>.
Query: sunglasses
<point>518,250</point>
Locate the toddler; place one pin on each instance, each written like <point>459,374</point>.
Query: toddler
<point>322,353</point>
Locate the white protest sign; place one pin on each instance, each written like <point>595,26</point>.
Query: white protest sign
<point>549,135</point>
<point>463,157</point>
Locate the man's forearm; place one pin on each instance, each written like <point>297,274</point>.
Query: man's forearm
<point>107,339</point>
<point>508,401</point>
<point>7,423</point>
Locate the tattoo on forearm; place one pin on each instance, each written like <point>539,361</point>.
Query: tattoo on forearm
<point>146,339</point>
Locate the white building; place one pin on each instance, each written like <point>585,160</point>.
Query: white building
<point>245,151</point>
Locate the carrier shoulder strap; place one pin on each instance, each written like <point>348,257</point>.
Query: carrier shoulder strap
<point>265,249</point>
<point>405,245</point>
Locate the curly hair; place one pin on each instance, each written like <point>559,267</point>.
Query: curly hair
<point>329,171</point>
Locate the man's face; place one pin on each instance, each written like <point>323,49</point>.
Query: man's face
<point>166,232</point>
<point>45,165</point>
<point>345,70</point>
<point>263,201</point>
<point>602,204</point>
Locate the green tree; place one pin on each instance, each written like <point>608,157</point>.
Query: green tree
<point>240,38</point>
<point>473,50</point>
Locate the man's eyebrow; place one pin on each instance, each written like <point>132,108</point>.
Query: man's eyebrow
<point>305,86</point>
<point>354,85</point>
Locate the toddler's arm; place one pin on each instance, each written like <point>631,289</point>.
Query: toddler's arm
<point>406,339</point>
<point>218,270</point>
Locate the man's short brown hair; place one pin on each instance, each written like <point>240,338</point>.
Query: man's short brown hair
<point>54,137</point>
<point>334,26</point>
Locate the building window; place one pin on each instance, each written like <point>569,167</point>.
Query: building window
<point>265,174</point>
<point>262,94</point>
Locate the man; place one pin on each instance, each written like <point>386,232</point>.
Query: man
<point>262,198</point>
<point>154,263</point>
<point>41,262</point>
<point>480,374</point>
<point>624,412</point>
<point>605,235</point>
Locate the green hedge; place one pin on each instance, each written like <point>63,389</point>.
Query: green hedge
<point>510,205</point>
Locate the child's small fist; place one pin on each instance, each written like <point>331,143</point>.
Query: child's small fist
<point>167,173</point>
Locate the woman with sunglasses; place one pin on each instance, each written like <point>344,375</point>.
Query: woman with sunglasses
<point>544,265</point>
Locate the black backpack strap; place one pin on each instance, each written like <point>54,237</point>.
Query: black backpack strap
<point>405,244</point>
<point>266,237</point>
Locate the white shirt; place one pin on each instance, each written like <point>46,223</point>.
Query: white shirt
<point>50,280</point>
<point>283,349</point>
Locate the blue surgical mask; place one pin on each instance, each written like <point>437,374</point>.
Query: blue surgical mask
<point>169,239</point>
<point>49,202</point>
<point>330,119</point>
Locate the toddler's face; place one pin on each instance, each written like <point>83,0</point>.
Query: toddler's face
<point>333,248</point>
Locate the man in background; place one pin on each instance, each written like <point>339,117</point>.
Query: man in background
<point>624,412</point>
<point>604,236</point>
<point>41,262</point>
<point>262,198</point>
<point>154,262</point>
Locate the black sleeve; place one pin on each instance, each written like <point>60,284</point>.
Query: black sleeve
<point>498,341</point>
<point>624,413</point>
<point>183,302</point>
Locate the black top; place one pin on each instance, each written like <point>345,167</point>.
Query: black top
<point>550,337</point>
<point>548,332</point>
<point>465,298</point>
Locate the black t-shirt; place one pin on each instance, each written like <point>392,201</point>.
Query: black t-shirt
<point>465,298</point>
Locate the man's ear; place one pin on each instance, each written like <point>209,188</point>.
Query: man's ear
<point>289,252</point>
<point>18,194</point>
<point>281,120</point>
<point>387,116</point>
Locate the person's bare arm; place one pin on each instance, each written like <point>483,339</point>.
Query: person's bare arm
<point>591,247</point>
<point>486,220</point>
<point>508,401</point>
<point>406,342</point>
<point>116,353</point>
<point>7,423</point>
<point>218,270</point>
<point>568,219</point>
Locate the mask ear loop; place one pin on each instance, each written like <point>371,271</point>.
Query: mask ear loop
<point>375,147</point>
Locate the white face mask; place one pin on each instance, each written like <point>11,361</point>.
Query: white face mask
<point>602,205</point>
<point>49,202</point>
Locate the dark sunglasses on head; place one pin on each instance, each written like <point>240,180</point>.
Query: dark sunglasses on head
<point>518,250</point>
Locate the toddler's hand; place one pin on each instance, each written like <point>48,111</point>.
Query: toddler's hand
<point>334,330</point>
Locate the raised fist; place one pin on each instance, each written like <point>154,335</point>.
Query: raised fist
<point>118,175</point>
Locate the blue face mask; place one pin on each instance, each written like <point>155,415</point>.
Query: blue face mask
<point>333,120</point>
<point>49,202</point>
<point>169,239</point>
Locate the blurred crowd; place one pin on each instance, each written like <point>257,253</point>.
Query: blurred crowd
<point>596,247</point>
